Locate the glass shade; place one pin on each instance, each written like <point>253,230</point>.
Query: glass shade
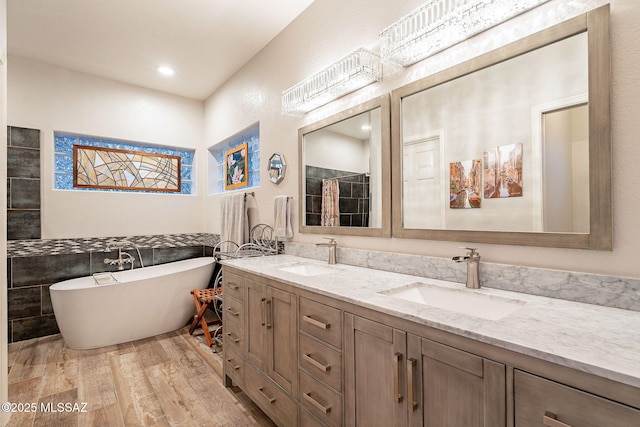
<point>439,24</point>
<point>356,70</point>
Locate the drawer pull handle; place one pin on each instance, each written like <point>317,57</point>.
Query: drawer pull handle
<point>236,367</point>
<point>323,409</point>
<point>269,314</point>
<point>263,311</point>
<point>397,396</point>
<point>411,400</point>
<point>231,337</point>
<point>551,420</point>
<point>233,286</point>
<point>314,322</point>
<point>271,400</point>
<point>314,362</point>
<point>232,312</point>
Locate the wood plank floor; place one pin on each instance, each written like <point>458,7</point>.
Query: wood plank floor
<point>173,379</point>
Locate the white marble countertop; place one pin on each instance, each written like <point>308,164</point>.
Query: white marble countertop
<point>599,340</point>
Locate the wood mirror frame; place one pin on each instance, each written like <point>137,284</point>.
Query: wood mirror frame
<point>384,230</point>
<point>596,24</point>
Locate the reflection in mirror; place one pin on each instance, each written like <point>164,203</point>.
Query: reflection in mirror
<point>448,129</point>
<point>506,148</point>
<point>344,172</point>
<point>277,168</point>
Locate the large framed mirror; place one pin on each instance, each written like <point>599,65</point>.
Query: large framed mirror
<point>511,147</point>
<point>345,185</point>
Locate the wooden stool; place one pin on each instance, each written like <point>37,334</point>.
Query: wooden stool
<point>203,299</point>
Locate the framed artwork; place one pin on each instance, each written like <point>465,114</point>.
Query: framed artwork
<point>236,173</point>
<point>465,184</point>
<point>503,171</point>
<point>114,169</point>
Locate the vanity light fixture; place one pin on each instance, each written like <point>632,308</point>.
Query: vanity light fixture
<point>164,70</point>
<point>440,24</point>
<point>352,72</point>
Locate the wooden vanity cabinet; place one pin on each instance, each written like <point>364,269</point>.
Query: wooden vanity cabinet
<point>375,376</point>
<point>320,361</point>
<point>311,360</point>
<point>233,331</point>
<point>455,388</point>
<point>540,402</point>
<point>397,378</point>
<point>268,345</point>
<point>271,333</point>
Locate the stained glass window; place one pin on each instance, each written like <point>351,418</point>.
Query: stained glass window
<point>142,167</point>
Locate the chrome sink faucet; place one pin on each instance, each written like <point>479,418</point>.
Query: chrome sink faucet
<point>473,271</point>
<point>332,245</point>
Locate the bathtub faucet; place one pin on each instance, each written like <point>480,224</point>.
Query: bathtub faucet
<point>123,257</point>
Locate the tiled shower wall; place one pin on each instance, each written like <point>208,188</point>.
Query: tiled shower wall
<point>23,183</point>
<point>34,265</point>
<point>353,200</point>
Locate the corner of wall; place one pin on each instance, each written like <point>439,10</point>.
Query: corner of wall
<point>4,417</point>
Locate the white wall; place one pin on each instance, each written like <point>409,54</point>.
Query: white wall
<point>330,150</point>
<point>329,29</point>
<point>54,99</point>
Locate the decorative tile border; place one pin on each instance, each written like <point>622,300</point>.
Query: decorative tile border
<point>24,248</point>
<point>609,291</point>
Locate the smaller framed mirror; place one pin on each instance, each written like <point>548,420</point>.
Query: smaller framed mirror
<point>345,185</point>
<point>277,168</point>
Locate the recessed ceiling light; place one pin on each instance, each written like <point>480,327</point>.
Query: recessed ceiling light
<point>165,71</point>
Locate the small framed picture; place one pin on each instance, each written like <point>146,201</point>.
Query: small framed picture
<point>236,167</point>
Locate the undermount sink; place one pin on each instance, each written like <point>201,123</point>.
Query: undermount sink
<point>308,269</point>
<point>464,301</point>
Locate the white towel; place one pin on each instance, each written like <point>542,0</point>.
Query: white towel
<point>282,217</point>
<point>253,216</point>
<point>233,217</point>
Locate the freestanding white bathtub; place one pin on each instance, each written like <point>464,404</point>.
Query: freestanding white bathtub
<point>142,303</point>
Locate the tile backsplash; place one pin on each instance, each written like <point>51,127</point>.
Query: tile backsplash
<point>610,291</point>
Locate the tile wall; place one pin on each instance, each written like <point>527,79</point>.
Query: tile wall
<point>353,200</point>
<point>23,183</point>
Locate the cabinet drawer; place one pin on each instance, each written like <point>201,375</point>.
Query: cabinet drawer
<point>233,311</point>
<point>233,286</point>
<point>234,366</point>
<point>270,397</point>
<point>535,397</point>
<point>321,321</point>
<point>320,400</point>
<point>321,362</point>
<point>308,420</point>
<point>233,337</point>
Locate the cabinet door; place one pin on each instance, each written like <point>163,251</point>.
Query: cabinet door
<point>255,324</point>
<point>374,373</point>
<point>461,389</point>
<point>282,344</point>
